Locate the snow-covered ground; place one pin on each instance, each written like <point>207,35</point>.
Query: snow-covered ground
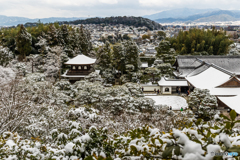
<point>175,101</point>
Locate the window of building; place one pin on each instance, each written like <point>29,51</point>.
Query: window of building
<point>166,89</point>
<point>85,67</point>
<point>79,67</point>
<point>73,67</point>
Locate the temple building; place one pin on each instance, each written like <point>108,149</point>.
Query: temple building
<point>223,84</point>
<point>185,65</point>
<point>80,66</point>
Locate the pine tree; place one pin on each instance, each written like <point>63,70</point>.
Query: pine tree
<point>132,54</point>
<point>42,45</point>
<point>52,36</point>
<point>5,56</point>
<point>23,42</point>
<point>119,62</point>
<point>65,33</point>
<point>154,72</point>
<point>163,48</point>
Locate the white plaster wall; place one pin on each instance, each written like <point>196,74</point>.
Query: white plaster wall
<point>150,88</point>
<point>163,90</point>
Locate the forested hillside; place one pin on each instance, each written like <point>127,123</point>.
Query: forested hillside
<point>129,21</point>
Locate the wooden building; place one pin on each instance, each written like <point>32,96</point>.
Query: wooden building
<point>184,65</point>
<point>80,66</point>
<point>170,86</point>
<point>221,83</point>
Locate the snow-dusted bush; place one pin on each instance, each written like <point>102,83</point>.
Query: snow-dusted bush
<point>5,56</point>
<point>205,103</point>
<point>195,139</point>
<point>117,98</point>
<point>93,77</point>
<point>7,75</point>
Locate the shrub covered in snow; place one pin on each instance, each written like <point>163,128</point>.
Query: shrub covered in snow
<point>5,56</point>
<point>6,75</point>
<point>205,103</point>
<point>196,140</point>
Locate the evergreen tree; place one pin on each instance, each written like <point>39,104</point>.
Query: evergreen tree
<point>119,62</point>
<point>201,98</point>
<point>52,36</point>
<point>132,54</point>
<point>154,72</point>
<point>5,56</point>
<point>42,45</point>
<point>163,48</point>
<point>23,42</point>
<point>84,40</point>
<point>104,57</point>
<point>165,69</point>
<point>65,34</point>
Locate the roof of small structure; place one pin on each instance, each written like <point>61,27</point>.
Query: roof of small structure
<point>148,84</point>
<point>231,102</point>
<point>81,60</point>
<point>172,82</point>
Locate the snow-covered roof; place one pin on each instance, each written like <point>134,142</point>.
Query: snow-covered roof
<point>149,84</point>
<point>172,82</point>
<point>209,78</point>
<point>230,63</point>
<point>232,102</point>
<point>225,91</point>
<point>81,60</point>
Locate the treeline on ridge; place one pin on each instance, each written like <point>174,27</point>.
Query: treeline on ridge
<point>129,21</point>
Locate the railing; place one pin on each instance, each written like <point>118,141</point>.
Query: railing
<point>78,73</point>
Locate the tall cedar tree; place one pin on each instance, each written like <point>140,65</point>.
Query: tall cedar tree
<point>104,57</point>
<point>127,53</point>
<point>23,42</point>
<point>162,48</point>
<point>132,54</point>
<point>84,40</point>
<point>53,36</point>
<point>119,62</point>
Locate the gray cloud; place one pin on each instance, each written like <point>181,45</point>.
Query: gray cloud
<point>101,8</point>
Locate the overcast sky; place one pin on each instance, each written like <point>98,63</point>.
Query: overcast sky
<point>102,8</point>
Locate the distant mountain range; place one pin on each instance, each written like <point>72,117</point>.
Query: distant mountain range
<point>169,16</point>
<point>130,21</point>
<point>195,15</point>
<point>13,21</point>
